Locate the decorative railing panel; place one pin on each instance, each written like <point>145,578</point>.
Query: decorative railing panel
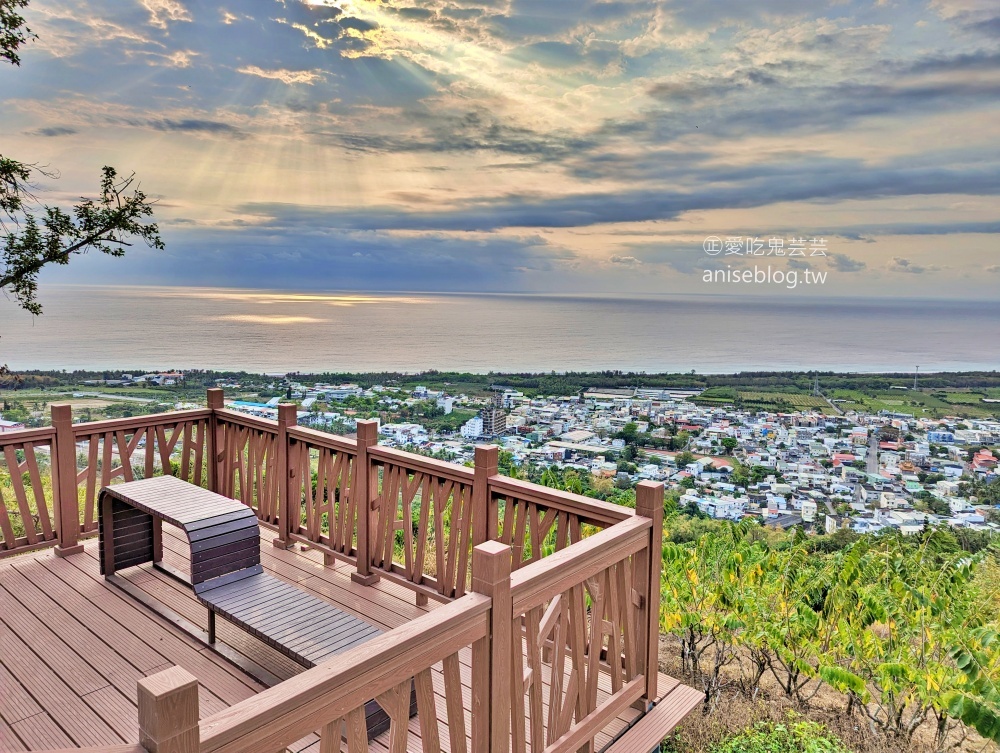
<point>320,488</point>
<point>422,521</point>
<point>537,521</point>
<point>118,450</point>
<point>247,457</point>
<point>27,515</point>
<point>576,657</point>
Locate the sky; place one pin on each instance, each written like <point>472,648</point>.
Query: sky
<point>557,146</point>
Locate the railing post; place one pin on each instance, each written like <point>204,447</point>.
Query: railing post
<point>215,441</point>
<point>64,497</point>
<point>484,525</point>
<point>168,712</point>
<point>649,504</point>
<point>491,665</point>
<point>362,492</point>
<point>288,509</point>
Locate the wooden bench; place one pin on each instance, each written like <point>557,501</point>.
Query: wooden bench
<point>226,572</point>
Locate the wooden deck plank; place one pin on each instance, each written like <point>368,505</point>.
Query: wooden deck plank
<point>74,717</point>
<point>83,604</point>
<point>16,703</point>
<point>117,709</point>
<point>74,671</point>
<point>649,731</point>
<point>101,656</point>
<point>40,732</point>
<point>9,741</point>
<point>176,647</point>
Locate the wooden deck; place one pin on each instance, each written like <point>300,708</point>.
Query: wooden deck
<point>72,647</point>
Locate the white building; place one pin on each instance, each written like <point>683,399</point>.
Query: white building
<point>808,510</point>
<point>404,433</point>
<point>472,428</point>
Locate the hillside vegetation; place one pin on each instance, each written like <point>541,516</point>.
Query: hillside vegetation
<point>895,638</point>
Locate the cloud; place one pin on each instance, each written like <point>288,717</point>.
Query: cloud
<point>274,255</point>
<point>54,131</point>
<point>993,269</point>
<point>553,133</point>
<point>283,75</point>
<point>163,11</point>
<point>901,264</point>
<point>195,125</point>
<point>625,261</point>
<point>650,203</point>
<point>844,263</point>
<point>469,129</point>
<point>977,60</point>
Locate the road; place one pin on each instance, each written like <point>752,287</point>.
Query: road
<point>872,460</point>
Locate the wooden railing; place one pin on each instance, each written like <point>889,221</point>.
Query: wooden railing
<point>246,462</point>
<point>551,598</point>
<point>421,524</point>
<point>53,474</point>
<point>537,521</point>
<point>391,514</point>
<point>126,449</point>
<point>581,621</point>
<point>326,514</point>
<point>553,654</point>
<point>27,516</point>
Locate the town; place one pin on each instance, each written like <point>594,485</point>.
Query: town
<point>826,467</point>
<point>860,471</point>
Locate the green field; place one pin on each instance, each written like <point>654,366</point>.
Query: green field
<point>762,400</point>
<point>934,404</point>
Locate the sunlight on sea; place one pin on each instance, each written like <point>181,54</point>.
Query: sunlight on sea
<point>279,331</point>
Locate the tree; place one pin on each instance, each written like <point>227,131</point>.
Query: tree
<point>628,432</point>
<point>13,32</point>
<point>684,459</point>
<point>905,628</point>
<point>36,235</point>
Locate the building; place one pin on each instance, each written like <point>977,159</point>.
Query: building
<point>494,417</point>
<point>473,428</point>
<point>341,392</point>
<point>984,462</point>
<point>10,425</point>
<point>809,511</point>
<point>404,433</point>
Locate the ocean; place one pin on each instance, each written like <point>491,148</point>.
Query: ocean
<point>86,327</point>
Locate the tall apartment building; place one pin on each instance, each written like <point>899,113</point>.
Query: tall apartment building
<point>494,417</point>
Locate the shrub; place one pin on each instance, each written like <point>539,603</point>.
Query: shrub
<point>796,736</point>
